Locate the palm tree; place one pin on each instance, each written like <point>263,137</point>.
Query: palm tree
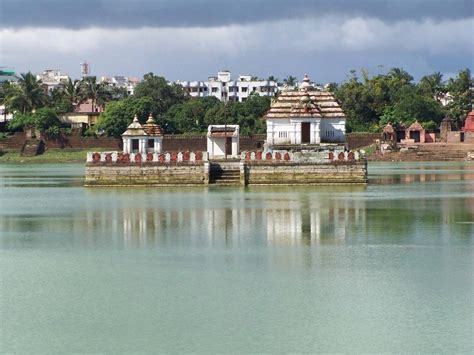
<point>433,85</point>
<point>73,92</point>
<point>98,93</point>
<point>273,78</point>
<point>290,81</point>
<point>26,95</point>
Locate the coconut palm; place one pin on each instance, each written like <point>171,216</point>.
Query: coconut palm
<point>433,85</point>
<point>290,81</point>
<point>26,95</point>
<point>73,92</point>
<point>98,93</point>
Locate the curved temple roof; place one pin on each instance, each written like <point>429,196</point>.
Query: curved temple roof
<point>150,128</point>
<point>306,102</point>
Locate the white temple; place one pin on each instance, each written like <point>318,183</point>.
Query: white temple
<point>142,139</point>
<point>223,141</point>
<point>306,116</point>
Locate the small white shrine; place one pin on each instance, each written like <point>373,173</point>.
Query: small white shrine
<point>147,138</point>
<point>305,116</point>
<point>223,141</point>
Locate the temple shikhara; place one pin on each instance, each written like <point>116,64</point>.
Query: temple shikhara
<point>306,116</point>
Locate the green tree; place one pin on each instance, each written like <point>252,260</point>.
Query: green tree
<point>26,95</point>
<point>412,106</point>
<point>44,119</point>
<point>290,81</point>
<point>189,116</point>
<point>162,94</point>
<point>119,114</point>
<point>460,90</point>
<point>98,93</point>
<point>273,78</point>
<point>432,86</point>
<point>74,92</point>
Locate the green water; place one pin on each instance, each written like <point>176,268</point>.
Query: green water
<point>382,268</point>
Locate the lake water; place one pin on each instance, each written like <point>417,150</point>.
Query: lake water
<point>386,267</point>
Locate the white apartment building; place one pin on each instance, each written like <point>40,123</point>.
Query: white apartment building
<point>226,89</point>
<point>126,82</point>
<point>52,78</point>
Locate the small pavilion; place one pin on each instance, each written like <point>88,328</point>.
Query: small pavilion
<point>416,132</point>
<point>143,139</point>
<point>389,133</point>
<point>223,141</point>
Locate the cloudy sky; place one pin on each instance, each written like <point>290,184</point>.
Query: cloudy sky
<point>193,39</point>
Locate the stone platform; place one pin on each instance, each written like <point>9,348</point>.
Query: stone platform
<point>253,168</point>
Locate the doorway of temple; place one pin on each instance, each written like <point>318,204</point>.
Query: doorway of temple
<point>306,132</point>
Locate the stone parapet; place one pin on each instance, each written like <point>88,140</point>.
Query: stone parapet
<point>291,173</point>
<point>323,156</point>
<point>149,158</point>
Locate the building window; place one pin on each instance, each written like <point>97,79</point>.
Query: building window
<point>330,134</point>
<point>151,143</point>
<point>134,145</point>
<point>214,89</point>
<point>282,134</point>
<point>243,99</point>
<point>243,89</point>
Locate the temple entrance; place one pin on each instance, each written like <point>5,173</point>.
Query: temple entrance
<point>306,132</point>
<point>228,146</point>
<point>415,135</point>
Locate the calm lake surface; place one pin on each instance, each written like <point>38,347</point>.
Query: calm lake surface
<point>383,267</point>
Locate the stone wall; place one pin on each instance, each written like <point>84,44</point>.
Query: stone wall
<point>74,141</point>
<point>358,140</point>
<point>288,173</point>
<point>171,143</point>
<point>469,137</point>
<point>188,174</point>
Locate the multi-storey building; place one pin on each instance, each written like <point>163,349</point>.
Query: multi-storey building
<point>52,78</point>
<point>226,89</point>
<point>128,83</point>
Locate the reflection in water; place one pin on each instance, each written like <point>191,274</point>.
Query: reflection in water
<point>286,220</point>
<point>401,204</point>
<point>238,270</point>
<point>309,222</point>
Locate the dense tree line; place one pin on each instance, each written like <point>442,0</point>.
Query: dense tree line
<point>369,103</point>
<point>34,106</point>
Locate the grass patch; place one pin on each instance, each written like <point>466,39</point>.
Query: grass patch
<point>49,156</point>
<point>370,149</point>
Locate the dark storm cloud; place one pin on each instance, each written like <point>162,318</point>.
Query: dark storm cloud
<point>209,13</point>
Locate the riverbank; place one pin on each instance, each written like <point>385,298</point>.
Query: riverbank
<point>50,156</point>
<point>424,152</point>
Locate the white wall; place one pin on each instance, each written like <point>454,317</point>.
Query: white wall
<point>279,131</point>
<point>288,131</point>
<point>333,130</point>
<point>216,146</point>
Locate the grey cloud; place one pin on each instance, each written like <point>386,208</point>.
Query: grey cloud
<point>211,13</point>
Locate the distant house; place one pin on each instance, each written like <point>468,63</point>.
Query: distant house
<point>305,116</point>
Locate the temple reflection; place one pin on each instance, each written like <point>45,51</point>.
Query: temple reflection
<point>301,220</point>
<point>315,221</point>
